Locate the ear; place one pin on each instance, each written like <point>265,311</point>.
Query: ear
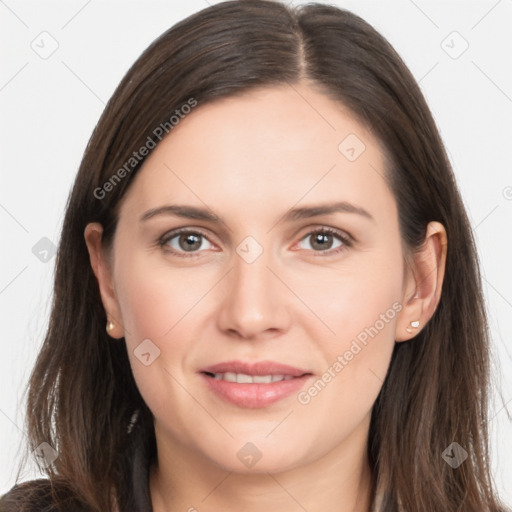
<point>102,270</point>
<point>423,283</point>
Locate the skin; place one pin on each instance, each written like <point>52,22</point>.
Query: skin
<point>293,304</point>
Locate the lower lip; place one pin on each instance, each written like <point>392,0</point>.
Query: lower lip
<point>254,396</point>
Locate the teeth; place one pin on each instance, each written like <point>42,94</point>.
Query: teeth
<point>242,378</point>
<point>262,379</point>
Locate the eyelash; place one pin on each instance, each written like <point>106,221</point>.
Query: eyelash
<point>347,241</point>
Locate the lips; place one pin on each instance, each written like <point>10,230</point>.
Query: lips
<point>254,385</point>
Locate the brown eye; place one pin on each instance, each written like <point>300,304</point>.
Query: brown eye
<point>189,241</point>
<point>321,241</point>
<point>185,241</point>
<point>326,239</point>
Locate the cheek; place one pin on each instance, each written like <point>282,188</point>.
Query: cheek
<point>156,297</point>
<point>161,304</point>
<point>363,291</point>
<point>158,303</point>
<point>341,397</point>
<point>360,308</point>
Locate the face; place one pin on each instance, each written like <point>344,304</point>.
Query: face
<point>271,280</point>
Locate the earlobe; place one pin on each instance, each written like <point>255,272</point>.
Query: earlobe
<point>101,268</point>
<point>414,325</point>
<point>424,282</point>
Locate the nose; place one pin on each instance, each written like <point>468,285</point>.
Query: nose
<point>256,303</point>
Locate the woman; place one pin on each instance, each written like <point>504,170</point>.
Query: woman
<point>266,222</point>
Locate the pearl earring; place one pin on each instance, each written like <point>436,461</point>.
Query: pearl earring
<point>414,324</point>
<point>110,326</point>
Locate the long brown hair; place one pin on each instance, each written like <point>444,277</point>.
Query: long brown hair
<point>82,394</point>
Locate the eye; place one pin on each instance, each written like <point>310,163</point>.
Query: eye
<point>322,241</point>
<point>187,243</point>
<point>183,241</point>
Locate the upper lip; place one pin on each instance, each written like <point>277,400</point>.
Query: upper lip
<point>255,368</point>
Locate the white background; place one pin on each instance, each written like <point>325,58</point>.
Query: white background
<point>49,108</point>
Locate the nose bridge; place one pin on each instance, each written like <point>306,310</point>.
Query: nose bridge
<point>251,277</point>
<point>255,300</point>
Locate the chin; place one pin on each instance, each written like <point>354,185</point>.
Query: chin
<point>256,458</point>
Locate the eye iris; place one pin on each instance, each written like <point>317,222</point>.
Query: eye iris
<point>322,237</point>
<point>191,240</point>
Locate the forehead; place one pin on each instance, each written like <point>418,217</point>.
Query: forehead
<point>270,147</point>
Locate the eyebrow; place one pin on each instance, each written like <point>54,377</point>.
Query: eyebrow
<point>193,212</point>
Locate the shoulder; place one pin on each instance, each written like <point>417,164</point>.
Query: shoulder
<point>39,496</point>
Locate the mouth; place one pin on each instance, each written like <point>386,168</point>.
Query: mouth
<point>254,385</point>
<point>243,378</point>
<point>253,369</point>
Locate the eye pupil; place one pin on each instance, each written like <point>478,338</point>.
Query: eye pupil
<point>192,241</point>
